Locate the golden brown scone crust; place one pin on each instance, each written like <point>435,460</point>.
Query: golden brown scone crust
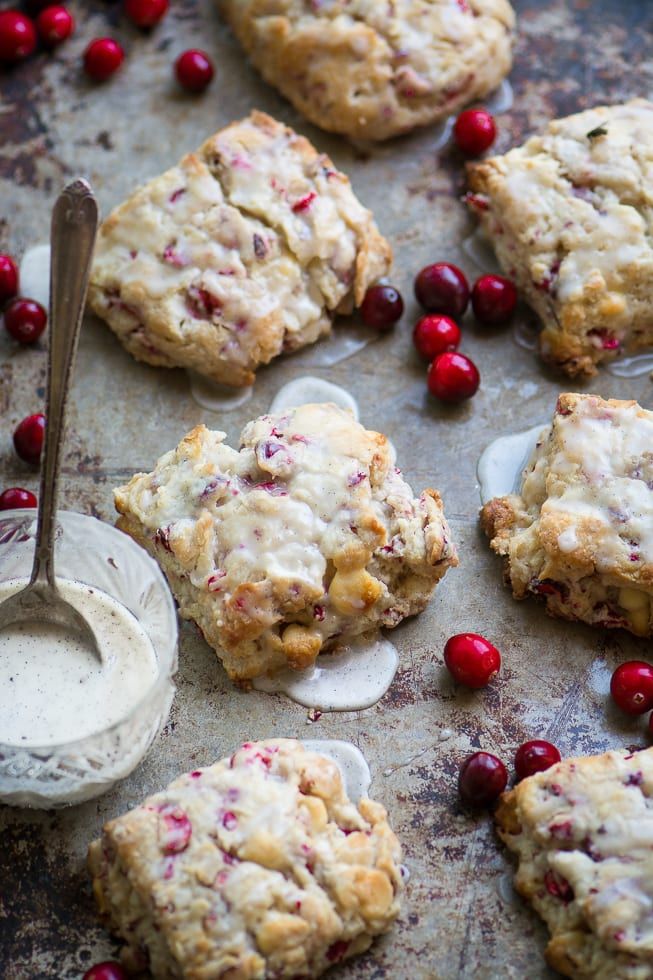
<point>570,219</point>
<point>242,251</point>
<point>371,69</point>
<point>580,532</point>
<point>256,867</point>
<point>305,538</point>
<point>583,834</point>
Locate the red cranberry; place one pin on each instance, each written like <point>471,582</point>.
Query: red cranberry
<point>8,278</point>
<point>16,497</point>
<point>102,58</point>
<point>453,377</point>
<point>25,320</point>
<point>631,687</point>
<point>535,756</point>
<point>28,437</point>
<point>146,13</point>
<point>493,299</point>
<point>17,36</point>
<point>109,970</point>
<point>382,307</point>
<point>442,288</point>
<point>434,334</point>
<point>482,779</point>
<point>194,70</point>
<point>54,24</point>
<point>474,131</point>
<point>471,659</point>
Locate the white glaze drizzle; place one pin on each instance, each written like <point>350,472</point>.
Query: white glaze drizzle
<point>350,679</point>
<point>34,274</point>
<point>308,389</point>
<point>631,367</point>
<point>350,761</point>
<point>216,397</point>
<point>501,464</point>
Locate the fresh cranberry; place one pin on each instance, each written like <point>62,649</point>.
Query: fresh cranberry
<point>25,320</point>
<point>482,779</point>
<point>471,659</point>
<point>434,334</point>
<point>382,307</point>
<point>8,278</point>
<point>493,299</point>
<point>442,288</point>
<point>102,58</point>
<point>16,497</point>
<point>453,377</point>
<point>474,131</point>
<point>17,36</point>
<point>28,437</point>
<point>631,687</point>
<point>146,13</point>
<point>194,70</point>
<point>54,24</point>
<point>109,970</point>
<point>535,756</point>
<point>175,830</point>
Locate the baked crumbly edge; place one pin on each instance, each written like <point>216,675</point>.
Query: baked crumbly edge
<point>243,251</point>
<point>568,216</point>
<point>256,866</point>
<point>355,69</point>
<point>582,539</point>
<point>583,835</point>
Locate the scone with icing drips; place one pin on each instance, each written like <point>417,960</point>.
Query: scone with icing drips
<point>304,538</point>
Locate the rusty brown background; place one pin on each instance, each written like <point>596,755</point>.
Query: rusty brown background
<point>460,916</point>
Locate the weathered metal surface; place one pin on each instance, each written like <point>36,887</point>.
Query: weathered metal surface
<point>459,918</point>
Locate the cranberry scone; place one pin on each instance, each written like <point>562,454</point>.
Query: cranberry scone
<point>242,251</point>
<point>256,867</point>
<point>374,70</point>
<point>583,834</point>
<point>579,534</point>
<point>304,538</point>
<point>569,216</point>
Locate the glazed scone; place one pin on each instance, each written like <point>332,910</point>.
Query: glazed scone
<point>303,539</point>
<point>580,532</point>
<point>373,70</point>
<point>241,252</point>
<point>569,214</point>
<point>256,867</point>
<point>583,835</point>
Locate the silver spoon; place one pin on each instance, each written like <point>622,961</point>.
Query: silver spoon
<point>74,225</point>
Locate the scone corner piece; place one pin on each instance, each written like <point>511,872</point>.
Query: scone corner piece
<point>582,832</point>
<point>244,250</point>
<point>372,70</point>
<point>579,534</point>
<point>259,865</point>
<point>305,538</point>
<point>567,213</point>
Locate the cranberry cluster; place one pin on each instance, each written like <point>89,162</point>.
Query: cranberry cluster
<point>53,24</point>
<point>483,777</point>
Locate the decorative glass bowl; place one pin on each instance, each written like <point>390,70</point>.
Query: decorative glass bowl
<point>89,551</point>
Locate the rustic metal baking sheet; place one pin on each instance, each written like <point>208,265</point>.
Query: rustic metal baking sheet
<point>460,918</point>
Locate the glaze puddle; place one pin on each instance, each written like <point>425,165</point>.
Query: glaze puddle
<point>350,761</point>
<point>501,464</point>
<point>477,247</point>
<point>525,334</point>
<point>501,100</point>
<point>631,367</point>
<point>217,397</point>
<point>340,346</point>
<point>307,389</point>
<point>350,679</point>
<point>35,274</point>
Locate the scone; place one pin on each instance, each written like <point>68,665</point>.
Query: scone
<point>583,834</point>
<point>301,540</point>
<point>579,534</point>
<point>570,219</point>
<point>372,70</point>
<point>256,867</point>
<point>241,252</point>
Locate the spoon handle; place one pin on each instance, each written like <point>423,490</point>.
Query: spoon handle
<point>74,226</point>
